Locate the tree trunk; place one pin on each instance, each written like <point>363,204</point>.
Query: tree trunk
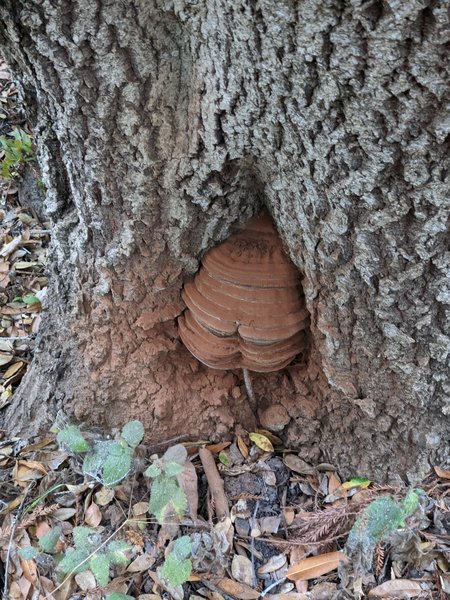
<point>161,124</point>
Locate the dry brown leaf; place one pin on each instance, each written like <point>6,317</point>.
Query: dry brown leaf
<point>86,580</point>
<point>187,480</point>
<point>141,563</point>
<point>13,369</point>
<point>237,590</point>
<point>443,473</point>
<point>242,569</point>
<point>104,496</point>
<point>289,514</point>
<point>242,446</point>
<point>297,554</point>
<point>93,516</point>
<point>315,566</point>
<point>36,446</point>
<point>396,588</point>
<point>64,514</point>
<point>29,571</point>
<point>216,448</point>
<point>298,465</point>
<point>275,563</point>
<point>333,482</point>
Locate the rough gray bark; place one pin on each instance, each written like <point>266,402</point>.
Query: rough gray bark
<point>163,123</point>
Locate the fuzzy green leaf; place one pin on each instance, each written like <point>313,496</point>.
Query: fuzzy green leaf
<point>99,565</point>
<point>82,537</point>
<point>133,432</point>
<point>74,560</point>
<point>72,438</point>
<point>153,471</point>
<point>119,596</point>
<point>30,299</point>
<point>172,469</point>
<point>27,553</point>
<point>118,464</point>
<point>116,552</point>
<point>94,460</point>
<point>176,571</point>
<point>182,547</point>
<point>176,454</point>
<point>166,496</point>
<point>49,540</point>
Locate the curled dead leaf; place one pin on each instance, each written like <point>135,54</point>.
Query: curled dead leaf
<point>315,566</point>
<point>237,590</point>
<point>396,588</point>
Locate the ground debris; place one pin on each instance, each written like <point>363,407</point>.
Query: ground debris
<point>246,538</point>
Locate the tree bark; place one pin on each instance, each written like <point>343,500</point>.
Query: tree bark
<point>162,124</point>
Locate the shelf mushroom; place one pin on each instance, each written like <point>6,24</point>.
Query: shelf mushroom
<point>245,307</point>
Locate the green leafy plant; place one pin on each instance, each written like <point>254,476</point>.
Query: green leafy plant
<point>177,566</point>
<point>167,499</point>
<point>108,461</point>
<point>168,502</point>
<point>379,519</point>
<point>17,150</point>
<point>89,553</point>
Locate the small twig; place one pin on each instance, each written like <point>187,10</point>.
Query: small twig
<point>34,232</point>
<point>215,483</point>
<point>252,544</point>
<point>271,586</point>
<point>178,438</point>
<point>249,388</point>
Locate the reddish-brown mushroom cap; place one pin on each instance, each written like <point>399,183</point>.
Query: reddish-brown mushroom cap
<point>245,307</point>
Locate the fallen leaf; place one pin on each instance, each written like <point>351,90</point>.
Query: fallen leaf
<point>237,590</point>
<point>315,566</point>
<point>187,480</point>
<point>93,516</point>
<point>262,442</point>
<point>273,564</point>
<point>104,496</point>
<point>296,555</point>
<point>10,247</point>
<point>289,515</point>
<point>141,563</point>
<point>29,570</point>
<point>22,265</point>
<point>242,569</point>
<point>5,358</point>
<point>396,588</point>
<point>269,524</point>
<point>242,446</point>
<point>333,482</point>
<point>216,448</point>
<point>298,465</point>
<point>276,441</point>
<point>64,514</point>
<point>443,473</point>
<point>86,580</point>
<point>13,369</point>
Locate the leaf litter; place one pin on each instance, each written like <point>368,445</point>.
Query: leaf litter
<point>23,255</point>
<point>236,537</point>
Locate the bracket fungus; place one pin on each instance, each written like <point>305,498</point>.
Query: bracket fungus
<point>245,307</point>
